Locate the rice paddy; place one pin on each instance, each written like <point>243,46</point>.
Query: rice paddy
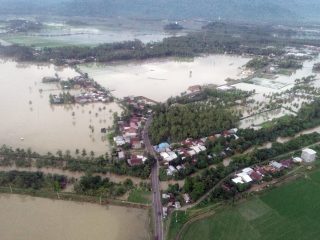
<point>288,212</point>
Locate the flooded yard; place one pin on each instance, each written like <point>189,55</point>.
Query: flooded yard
<point>28,120</point>
<point>29,218</point>
<point>160,80</point>
<point>257,120</point>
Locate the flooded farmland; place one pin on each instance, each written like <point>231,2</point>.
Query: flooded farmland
<point>28,120</point>
<point>92,32</point>
<point>52,219</point>
<point>160,80</point>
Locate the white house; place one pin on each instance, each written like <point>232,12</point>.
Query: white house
<point>247,170</point>
<point>165,196</point>
<point>168,156</point>
<point>196,149</point>
<point>186,198</point>
<point>245,177</point>
<point>192,152</point>
<point>308,155</point>
<point>177,205</point>
<point>297,159</point>
<point>237,180</point>
<point>119,140</point>
<point>276,165</point>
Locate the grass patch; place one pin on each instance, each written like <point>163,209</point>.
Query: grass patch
<point>287,212</point>
<point>140,196</point>
<point>37,41</point>
<point>268,124</point>
<point>175,222</point>
<point>287,72</point>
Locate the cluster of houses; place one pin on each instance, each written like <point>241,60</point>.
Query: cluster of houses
<point>256,174</point>
<point>139,103</point>
<point>171,203</point>
<point>129,142</point>
<point>92,96</point>
<point>188,148</point>
<point>91,92</point>
<point>131,139</point>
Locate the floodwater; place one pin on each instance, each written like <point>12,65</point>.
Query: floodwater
<point>256,120</point>
<point>281,82</point>
<point>95,32</point>
<point>28,120</point>
<point>305,132</point>
<point>29,218</point>
<point>160,80</point>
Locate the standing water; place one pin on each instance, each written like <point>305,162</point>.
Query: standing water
<point>29,218</point>
<point>28,119</point>
<point>162,79</point>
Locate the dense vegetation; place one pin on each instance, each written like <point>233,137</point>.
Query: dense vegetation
<point>19,25</point>
<point>193,120</point>
<point>198,185</point>
<point>196,116</point>
<point>83,162</point>
<point>173,27</point>
<point>32,180</point>
<point>258,63</point>
<point>206,41</point>
<point>95,185</point>
<point>316,67</point>
<point>213,95</point>
<point>290,64</point>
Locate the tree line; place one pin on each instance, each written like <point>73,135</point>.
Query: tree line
<point>205,41</point>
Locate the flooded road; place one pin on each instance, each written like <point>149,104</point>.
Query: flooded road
<point>162,79</point>
<point>29,218</point>
<point>28,120</point>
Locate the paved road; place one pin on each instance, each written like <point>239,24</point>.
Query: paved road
<point>156,198</point>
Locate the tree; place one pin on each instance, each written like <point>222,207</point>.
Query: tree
<point>84,153</point>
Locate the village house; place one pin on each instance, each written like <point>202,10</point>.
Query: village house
<point>186,198</point>
<point>136,160</point>
<point>121,155</point>
<point>194,89</point>
<point>276,165</point>
<point>119,140</point>
<point>308,155</point>
<point>168,156</point>
<point>136,143</point>
<point>130,132</point>
<point>171,170</point>
<point>177,205</point>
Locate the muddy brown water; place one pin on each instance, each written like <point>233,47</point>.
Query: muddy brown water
<point>28,120</point>
<point>30,218</point>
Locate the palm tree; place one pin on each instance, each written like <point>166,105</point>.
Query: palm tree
<point>84,153</point>
<point>92,154</point>
<point>59,153</point>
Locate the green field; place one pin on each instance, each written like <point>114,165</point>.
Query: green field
<point>140,196</point>
<point>34,41</point>
<point>289,212</point>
